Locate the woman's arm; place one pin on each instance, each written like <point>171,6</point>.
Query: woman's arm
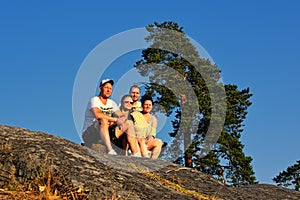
<point>153,125</point>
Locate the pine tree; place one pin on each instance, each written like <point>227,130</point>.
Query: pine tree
<point>289,177</point>
<point>189,87</point>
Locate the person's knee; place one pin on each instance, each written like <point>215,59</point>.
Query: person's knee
<point>129,123</point>
<point>103,123</point>
<point>129,128</point>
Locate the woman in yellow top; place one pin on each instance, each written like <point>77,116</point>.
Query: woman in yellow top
<point>145,125</point>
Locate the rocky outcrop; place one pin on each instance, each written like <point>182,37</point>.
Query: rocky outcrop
<point>39,162</point>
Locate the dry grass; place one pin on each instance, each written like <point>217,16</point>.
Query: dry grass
<point>52,185</point>
<point>175,185</point>
<point>6,147</point>
<point>46,183</point>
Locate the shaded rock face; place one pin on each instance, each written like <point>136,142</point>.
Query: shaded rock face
<point>32,159</point>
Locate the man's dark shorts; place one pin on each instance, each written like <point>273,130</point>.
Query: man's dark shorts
<point>92,136</point>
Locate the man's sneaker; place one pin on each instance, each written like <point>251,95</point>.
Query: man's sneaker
<point>112,152</point>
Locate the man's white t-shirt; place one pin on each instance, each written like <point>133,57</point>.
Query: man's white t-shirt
<point>109,108</point>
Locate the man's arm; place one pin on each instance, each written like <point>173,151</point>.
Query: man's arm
<point>99,115</point>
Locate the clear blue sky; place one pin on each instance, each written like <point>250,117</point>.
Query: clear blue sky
<point>256,44</point>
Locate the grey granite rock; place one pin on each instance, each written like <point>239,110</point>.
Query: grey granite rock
<point>27,156</point>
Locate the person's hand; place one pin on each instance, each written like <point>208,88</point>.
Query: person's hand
<point>149,139</point>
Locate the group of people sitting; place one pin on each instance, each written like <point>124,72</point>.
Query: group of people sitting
<point>130,125</point>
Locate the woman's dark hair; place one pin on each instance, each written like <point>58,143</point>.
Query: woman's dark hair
<point>145,98</point>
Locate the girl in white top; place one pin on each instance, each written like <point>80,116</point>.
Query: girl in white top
<point>128,127</point>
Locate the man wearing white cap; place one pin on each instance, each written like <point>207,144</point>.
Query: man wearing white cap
<point>101,112</point>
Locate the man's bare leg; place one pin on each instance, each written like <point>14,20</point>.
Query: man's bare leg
<point>104,134</point>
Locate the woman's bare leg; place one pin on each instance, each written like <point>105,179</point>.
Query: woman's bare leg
<point>128,127</point>
<point>155,146</point>
<point>143,147</point>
